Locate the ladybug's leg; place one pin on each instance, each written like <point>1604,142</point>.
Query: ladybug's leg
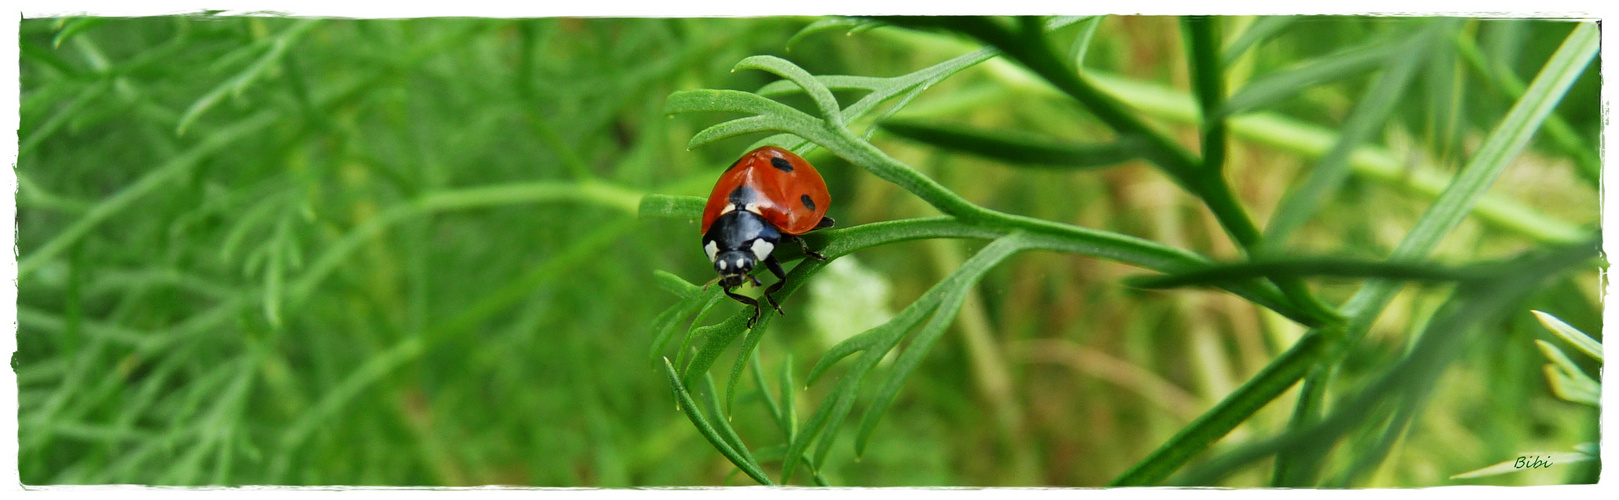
<point>805,246</point>
<point>745,300</point>
<point>772,301</point>
<point>781,278</point>
<point>825,222</point>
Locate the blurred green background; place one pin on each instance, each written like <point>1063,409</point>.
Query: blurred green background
<point>406,252</point>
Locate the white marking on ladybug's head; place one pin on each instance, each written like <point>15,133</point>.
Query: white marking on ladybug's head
<point>761,249</point>
<point>712,248</point>
<point>722,265</point>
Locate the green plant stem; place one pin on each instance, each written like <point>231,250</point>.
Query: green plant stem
<point>1509,139</point>
<point>1202,40</point>
<point>1369,161</point>
<point>1372,162</point>
<point>1415,376</point>
<point>1301,267</point>
<point>1033,52</point>
<point>1045,235</point>
<point>1208,78</point>
<point>1506,141</point>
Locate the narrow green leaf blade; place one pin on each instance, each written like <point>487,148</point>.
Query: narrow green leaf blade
<point>1261,30</point>
<point>1571,335</point>
<point>689,407</point>
<point>817,91</point>
<point>1277,87</point>
<point>953,291</point>
<point>1369,115</point>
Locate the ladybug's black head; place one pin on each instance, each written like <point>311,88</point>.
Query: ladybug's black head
<point>736,242</point>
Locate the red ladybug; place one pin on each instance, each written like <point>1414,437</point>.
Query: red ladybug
<point>768,196</point>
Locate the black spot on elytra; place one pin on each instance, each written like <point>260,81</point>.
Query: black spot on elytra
<point>810,204</point>
<point>742,195</point>
<point>781,164</point>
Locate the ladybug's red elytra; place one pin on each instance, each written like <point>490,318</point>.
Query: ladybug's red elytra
<point>768,196</point>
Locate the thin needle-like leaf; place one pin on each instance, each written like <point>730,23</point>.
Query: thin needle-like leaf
<point>689,407</point>
<point>1509,138</point>
<point>1275,87</point>
<point>1369,115</point>
<point>236,84</point>
<point>1571,335</point>
<point>952,292</point>
<point>1262,29</point>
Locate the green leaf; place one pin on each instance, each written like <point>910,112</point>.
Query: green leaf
<point>1262,29</point>
<point>1498,75</point>
<point>771,405</point>
<point>1566,379</point>
<point>781,67</point>
<point>1571,335</point>
<point>236,84</point>
<point>1506,141</point>
<point>715,339</point>
<point>952,291</point>
<point>849,24</point>
<point>1370,162</point>
<point>689,407</point>
<point>1412,380</point>
<point>75,26</point>
<point>873,344</point>
<point>1082,41</point>
<point>1015,149</point>
<point>736,101</point>
<point>1371,112</point>
<point>692,299</point>
<point>1276,87</point>
<point>781,88</point>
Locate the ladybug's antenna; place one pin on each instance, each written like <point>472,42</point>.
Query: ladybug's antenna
<point>712,282</point>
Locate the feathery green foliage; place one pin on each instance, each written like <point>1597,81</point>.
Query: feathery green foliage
<point>444,252</point>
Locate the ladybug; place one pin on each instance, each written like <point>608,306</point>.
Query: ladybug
<point>768,196</point>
